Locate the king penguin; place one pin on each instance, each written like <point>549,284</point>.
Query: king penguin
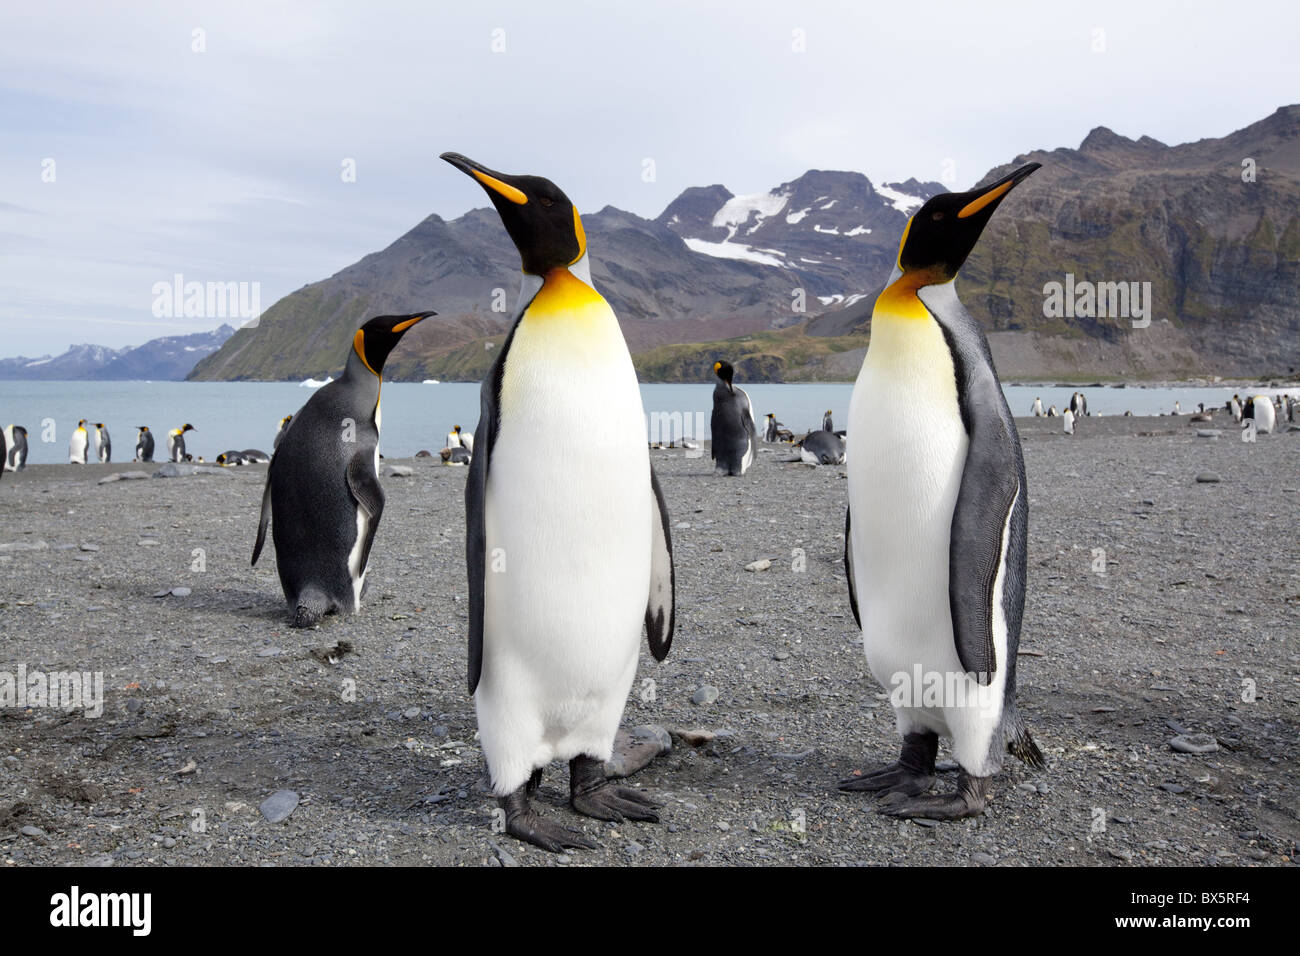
<point>568,550</point>
<point>323,483</point>
<point>78,445</point>
<point>144,444</point>
<point>15,456</point>
<point>176,442</point>
<point>735,436</point>
<point>935,535</point>
<point>103,443</point>
<point>279,433</point>
<point>1037,409</point>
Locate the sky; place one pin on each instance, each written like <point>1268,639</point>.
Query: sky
<point>274,144</point>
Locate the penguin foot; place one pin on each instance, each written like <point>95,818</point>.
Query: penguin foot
<point>968,801</point>
<point>304,616</point>
<point>912,775</point>
<point>892,779</point>
<point>523,824</point>
<point>593,795</point>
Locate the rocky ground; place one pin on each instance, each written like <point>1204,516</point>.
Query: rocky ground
<point>212,704</point>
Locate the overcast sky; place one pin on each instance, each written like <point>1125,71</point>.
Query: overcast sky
<point>226,164</point>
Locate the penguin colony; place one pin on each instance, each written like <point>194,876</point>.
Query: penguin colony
<point>935,529</point>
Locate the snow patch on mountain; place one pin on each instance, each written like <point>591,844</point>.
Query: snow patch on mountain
<point>899,200</point>
<point>736,211</point>
<point>732,250</point>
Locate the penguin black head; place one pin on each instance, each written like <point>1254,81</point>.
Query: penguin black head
<point>142,428</point>
<point>542,222</point>
<point>81,423</point>
<point>99,424</point>
<point>725,372</point>
<point>942,233</point>
<point>380,335</point>
<point>187,427</point>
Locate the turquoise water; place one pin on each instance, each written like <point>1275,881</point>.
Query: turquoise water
<point>243,415</point>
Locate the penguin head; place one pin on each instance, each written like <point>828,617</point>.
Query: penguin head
<point>942,233</point>
<point>541,220</point>
<point>142,428</point>
<point>380,335</point>
<point>725,372</point>
<point>456,429</point>
<point>221,459</point>
<point>284,421</point>
<point>187,427</point>
<point>99,426</point>
<point>81,424</point>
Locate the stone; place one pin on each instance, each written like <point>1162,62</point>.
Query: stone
<point>705,695</point>
<point>761,565</point>
<point>1194,744</point>
<point>277,807</point>
<point>1208,478</point>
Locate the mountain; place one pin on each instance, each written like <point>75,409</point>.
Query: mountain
<point>167,359</point>
<point>761,278</point>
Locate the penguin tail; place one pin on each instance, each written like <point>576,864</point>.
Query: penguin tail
<point>1022,746</point>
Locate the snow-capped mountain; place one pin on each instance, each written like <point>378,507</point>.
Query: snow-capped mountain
<point>834,229</point>
<point>166,359</point>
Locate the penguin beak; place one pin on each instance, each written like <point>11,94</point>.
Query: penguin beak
<point>401,327</point>
<point>989,197</point>
<point>492,181</point>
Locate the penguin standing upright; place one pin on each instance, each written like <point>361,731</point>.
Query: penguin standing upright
<point>1259,409</point>
<point>176,442</point>
<point>1078,404</point>
<point>456,438</point>
<point>103,444</point>
<point>279,434</point>
<point>735,436</point>
<point>568,549</point>
<point>935,535</point>
<point>1067,421</point>
<point>144,444</point>
<point>78,445</point>
<point>827,424</point>
<point>1037,410</point>
<point>15,456</point>
<point>323,484</point>
<point>770,429</point>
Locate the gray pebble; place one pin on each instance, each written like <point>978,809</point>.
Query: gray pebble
<point>411,712</point>
<point>35,832</point>
<point>1194,744</point>
<point>1208,478</point>
<point>705,695</point>
<point>277,807</point>
<point>983,859</point>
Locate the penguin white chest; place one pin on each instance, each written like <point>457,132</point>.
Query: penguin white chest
<point>568,525</point>
<point>906,455</point>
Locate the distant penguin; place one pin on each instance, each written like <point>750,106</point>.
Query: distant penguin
<point>144,444</point>
<point>79,444</point>
<point>1051,412</point>
<point>827,424</point>
<point>937,528</point>
<point>821,448</point>
<point>15,456</point>
<point>1178,409</point>
<point>578,515</point>
<point>103,444</point>
<point>279,433</point>
<point>1260,409</point>
<point>230,459</point>
<point>770,428</point>
<point>1037,409</point>
<point>1078,405</point>
<point>735,434</point>
<point>252,456</point>
<point>1068,419</point>
<point>323,485</point>
<point>176,442</point>
<point>1234,406</point>
<point>4,453</point>
<point>455,456</point>
<point>1128,414</point>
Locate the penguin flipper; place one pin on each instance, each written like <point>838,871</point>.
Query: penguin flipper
<point>265,519</point>
<point>848,566</point>
<point>981,525</point>
<point>365,488</point>
<point>661,609</point>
